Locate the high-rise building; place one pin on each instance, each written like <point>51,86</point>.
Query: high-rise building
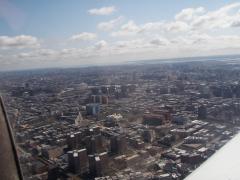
<point>104,99</point>
<point>78,161</point>
<point>91,159</point>
<point>96,90</point>
<point>148,135</point>
<point>118,144</point>
<point>93,109</point>
<point>98,142</point>
<point>98,164</point>
<point>74,141</point>
<point>98,99</point>
<point>94,144</point>
<point>95,166</point>
<point>93,98</point>
<point>71,141</point>
<point>105,89</point>
<point>202,112</point>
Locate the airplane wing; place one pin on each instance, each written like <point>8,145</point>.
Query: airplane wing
<point>223,165</point>
<point>9,163</point>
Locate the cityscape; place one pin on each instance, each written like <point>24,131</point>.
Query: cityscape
<point>153,121</point>
<point>119,90</point>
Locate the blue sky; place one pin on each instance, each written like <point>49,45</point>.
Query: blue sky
<point>51,33</point>
<point>59,18</point>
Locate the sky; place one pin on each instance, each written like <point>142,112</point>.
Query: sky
<point>72,33</point>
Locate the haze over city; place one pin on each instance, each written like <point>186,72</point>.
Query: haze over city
<point>60,33</point>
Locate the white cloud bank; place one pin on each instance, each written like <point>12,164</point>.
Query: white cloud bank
<point>84,36</point>
<point>110,25</point>
<point>188,20</point>
<point>102,11</point>
<point>20,42</point>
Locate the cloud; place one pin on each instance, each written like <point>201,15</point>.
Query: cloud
<point>21,41</point>
<point>236,23</point>
<point>130,28</point>
<point>236,20</point>
<point>152,26</point>
<point>186,21</point>
<point>159,41</point>
<point>101,45</point>
<point>130,44</point>
<point>218,19</point>
<point>46,52</point>
<point>102,11</point>
<point>177,26</point>
<point>139,48</point>
<point>199,39</point>
<point>84,36</point>
<point>109,25</point>
<point>39,53</point>
<point>189,13</point>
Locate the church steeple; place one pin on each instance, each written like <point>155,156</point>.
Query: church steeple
<point>79,119</point>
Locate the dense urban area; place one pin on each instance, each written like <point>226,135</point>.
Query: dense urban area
<point>138,121</point>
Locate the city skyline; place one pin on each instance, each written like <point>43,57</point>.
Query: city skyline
<point>62,34</point>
